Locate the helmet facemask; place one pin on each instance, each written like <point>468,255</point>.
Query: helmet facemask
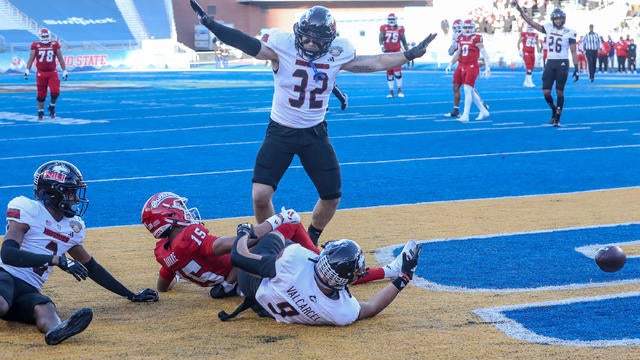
<point>164,210</point>
<point>59,185</point>
<point>339,264</point>
<point>392,20</point>
<point>45,36</point>
<point>315,26</point>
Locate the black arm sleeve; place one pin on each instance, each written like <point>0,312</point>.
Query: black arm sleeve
<point>12,255</point>
<point>232,37</point>
<point>264,261</point>
<point>103,278</point>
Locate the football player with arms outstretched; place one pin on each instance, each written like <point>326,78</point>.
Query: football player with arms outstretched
<point>470,46</point>
<point>291,284</point>
<point>528,44</point>
<point>39,234</point>
<point>560,41</point>
<point>45,53</point>
<point>305,66</point>
<point>186,249</point>
<point>392,39</point>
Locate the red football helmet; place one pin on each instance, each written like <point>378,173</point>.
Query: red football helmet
<point>457,26</point>
<point>166,209</point>
<point>45,36</point>
<point>468,27</point>
<point>392,19</point>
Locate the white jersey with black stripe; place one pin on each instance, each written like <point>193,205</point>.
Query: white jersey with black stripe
<point>293,296</point>
<point>558,41</point>
<point>45,236</point>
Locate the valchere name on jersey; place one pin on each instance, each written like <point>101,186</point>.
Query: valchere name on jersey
<point>302,304</point>
<point>56,235</point>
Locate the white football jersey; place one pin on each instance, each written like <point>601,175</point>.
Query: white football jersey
<point>45,236</point>
<point>300,101</point>
<point>558,42</point>
<point>293,296</point>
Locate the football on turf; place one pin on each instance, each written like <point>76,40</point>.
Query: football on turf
<point>610,258</point>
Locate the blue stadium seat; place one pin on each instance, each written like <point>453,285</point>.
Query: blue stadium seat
<point>155,18</point>
<point>78,20</point>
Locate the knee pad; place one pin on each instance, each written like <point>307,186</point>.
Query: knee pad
<point>41,99</point>
<point>389,77</point>
<point>398,76</point>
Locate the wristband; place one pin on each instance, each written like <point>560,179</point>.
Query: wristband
<point>401,282</point>
<point>275,221</point>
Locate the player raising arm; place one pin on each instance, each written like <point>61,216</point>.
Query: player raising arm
<point>560,41</point>
<point>305,65</point>
<point>291,284</point>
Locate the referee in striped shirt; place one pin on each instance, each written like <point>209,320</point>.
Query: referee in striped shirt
<point>590,45</point>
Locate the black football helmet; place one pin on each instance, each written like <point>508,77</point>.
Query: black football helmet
<point>59,184</point>
<point>339,264</point>
<point>318,26</point>
<point>557,13</point>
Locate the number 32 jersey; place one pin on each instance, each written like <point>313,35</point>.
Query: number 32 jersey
<point>558,41</point>
<point>301,93</point>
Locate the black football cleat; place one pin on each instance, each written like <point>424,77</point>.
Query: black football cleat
<point>40,114</point>
<point>454,113</point>
<point>52,111</point>
<point>75,324</point>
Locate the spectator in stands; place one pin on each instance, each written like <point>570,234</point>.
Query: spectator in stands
<point>45,53</point>
<point>631,56</point>
<point>621,54</point>
<point>603,55</point>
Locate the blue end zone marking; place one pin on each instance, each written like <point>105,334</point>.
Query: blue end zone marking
<point>549,260</point>
<point>610,320</point>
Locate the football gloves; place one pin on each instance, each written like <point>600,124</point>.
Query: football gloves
<point>409,263</point>
<point>26,74</point>
<point>202,15</point>
<point>575,74</point>
<point>420,49</point>
<point>73,267</point>
<point>246,228</point>
<point>342,96</point>
<point>146,295</point>
<point>65,75</point>
<point>286,216</point>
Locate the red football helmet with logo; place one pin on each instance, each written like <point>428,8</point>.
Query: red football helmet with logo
<point>166,209</point>
<point>468,27</point>
<point>457,26</point>
<point>392,20</point>
<point>45,36</point>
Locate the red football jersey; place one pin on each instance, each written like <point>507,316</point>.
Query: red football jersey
<point>392,36</point>
<point>45,55</point>
<point>529,41</point>
<point>191,255</point>
<point>468,47</point>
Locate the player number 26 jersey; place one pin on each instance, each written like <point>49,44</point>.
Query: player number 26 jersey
<point>558,41</point>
